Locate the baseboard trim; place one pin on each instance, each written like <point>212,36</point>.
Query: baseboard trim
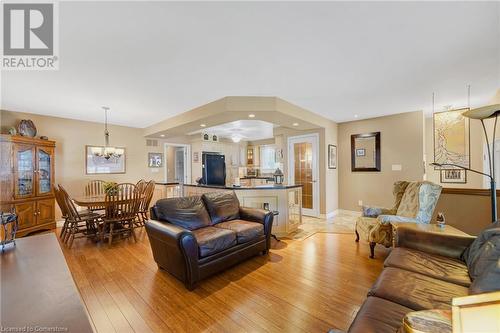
<point>336,212</point>
<point>331,215</point>
<point>348,212</point>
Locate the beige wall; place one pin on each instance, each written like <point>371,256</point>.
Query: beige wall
<point>402,142</point>
<point>71,136</point>
<point>402,138</point>
<point>331,175</point>
<point>469,213</point>
<point>170,163</point>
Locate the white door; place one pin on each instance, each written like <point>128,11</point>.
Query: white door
<point>177,165</point>
<point>303,168</point>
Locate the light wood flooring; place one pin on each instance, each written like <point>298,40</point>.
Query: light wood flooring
<point>309,285</point>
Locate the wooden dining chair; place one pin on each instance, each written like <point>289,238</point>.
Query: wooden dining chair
<point>64,210</point>
<point>79,225</point>
<point>141,185</point>
<point>146,196</point>
<point>121,211</point>
<point>94,188</point>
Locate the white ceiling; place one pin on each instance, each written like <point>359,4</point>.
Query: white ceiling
<point>152,60</point>
<point>246,130</point>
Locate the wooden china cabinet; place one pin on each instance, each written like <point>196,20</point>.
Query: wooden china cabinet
<point>26,181</point>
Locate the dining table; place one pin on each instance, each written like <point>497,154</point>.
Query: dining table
<point>90,200</point>
<point>95,200</point>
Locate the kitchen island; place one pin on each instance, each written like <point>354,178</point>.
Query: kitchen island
<point>285,200</point>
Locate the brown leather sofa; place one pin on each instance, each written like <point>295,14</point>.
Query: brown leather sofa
<point>194,237</point>
<point>425,271</point>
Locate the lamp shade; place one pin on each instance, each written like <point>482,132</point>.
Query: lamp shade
<point>484,112</point>
<point>488,111</point>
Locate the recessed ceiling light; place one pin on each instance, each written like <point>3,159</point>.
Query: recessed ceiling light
<point>162,135</point>
<point>251,115</point>
<point>203,125</point>
<point>355,116</point>
<point>295,124</point>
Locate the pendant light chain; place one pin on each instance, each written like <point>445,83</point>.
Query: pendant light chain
<point>106,132</point>
<point>108,152</point>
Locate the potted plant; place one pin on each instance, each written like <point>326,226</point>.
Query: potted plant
<point>110,188</point>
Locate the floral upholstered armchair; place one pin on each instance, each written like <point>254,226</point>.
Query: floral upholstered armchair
<point>414,203</point>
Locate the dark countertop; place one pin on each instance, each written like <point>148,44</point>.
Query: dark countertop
<point>258,187</point>
<point>258,177</point>
<point>167,183</point>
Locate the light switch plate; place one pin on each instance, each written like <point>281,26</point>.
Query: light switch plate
<point>397,167</point>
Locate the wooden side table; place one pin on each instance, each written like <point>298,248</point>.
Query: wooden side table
<point>427,227</point>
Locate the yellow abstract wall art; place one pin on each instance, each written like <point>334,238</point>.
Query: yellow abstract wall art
<point>452,138</point>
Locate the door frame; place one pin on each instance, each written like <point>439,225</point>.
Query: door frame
<point>314,137</point>
<point>486,166</point>
<point>187,161</point>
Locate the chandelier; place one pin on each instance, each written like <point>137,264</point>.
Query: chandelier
<point>107,151</point>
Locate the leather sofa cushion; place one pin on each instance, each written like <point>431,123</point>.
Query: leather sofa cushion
<point>245,230</point>
<point>186,212</point>
<point>212,240</point>
<point>441,268</point>
<point>415,291</point>
<point>378,315</point>
<point>483,260</point>
<point>222,206</point>
<point>488,281</point>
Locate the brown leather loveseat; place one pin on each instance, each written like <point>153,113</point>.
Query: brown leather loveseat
<point>425,271</point>
<point>194,237</point>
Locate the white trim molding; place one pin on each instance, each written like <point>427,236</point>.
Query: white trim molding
<point>348,212</point>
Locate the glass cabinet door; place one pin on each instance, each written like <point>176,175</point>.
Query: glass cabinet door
<point>24,171</point>
<point>44,170</point>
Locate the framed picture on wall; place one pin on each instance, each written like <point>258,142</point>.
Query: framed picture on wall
<point>452,138</point>
<point>95,163</point>
<point>360,152</point>
<point>155,160</point>
<point>365,152</point>
<point>453,176</point>
<point>332,157</point>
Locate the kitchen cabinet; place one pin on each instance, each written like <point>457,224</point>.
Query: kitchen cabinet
<point>253,156</point>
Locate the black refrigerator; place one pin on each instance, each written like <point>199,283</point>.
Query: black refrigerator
<point>213,169</point>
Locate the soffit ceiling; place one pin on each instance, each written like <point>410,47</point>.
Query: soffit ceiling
<point>150,61</point>
<point>246,130</point>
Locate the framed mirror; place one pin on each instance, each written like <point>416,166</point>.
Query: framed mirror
<point>365,152</point>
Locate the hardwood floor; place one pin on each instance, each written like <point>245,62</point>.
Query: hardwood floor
<point>302,286</point>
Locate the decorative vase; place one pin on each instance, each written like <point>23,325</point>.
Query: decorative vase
<point>27,128</point>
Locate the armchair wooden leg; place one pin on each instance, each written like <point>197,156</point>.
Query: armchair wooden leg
<point>372,250</point>
<point>357,235</point>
